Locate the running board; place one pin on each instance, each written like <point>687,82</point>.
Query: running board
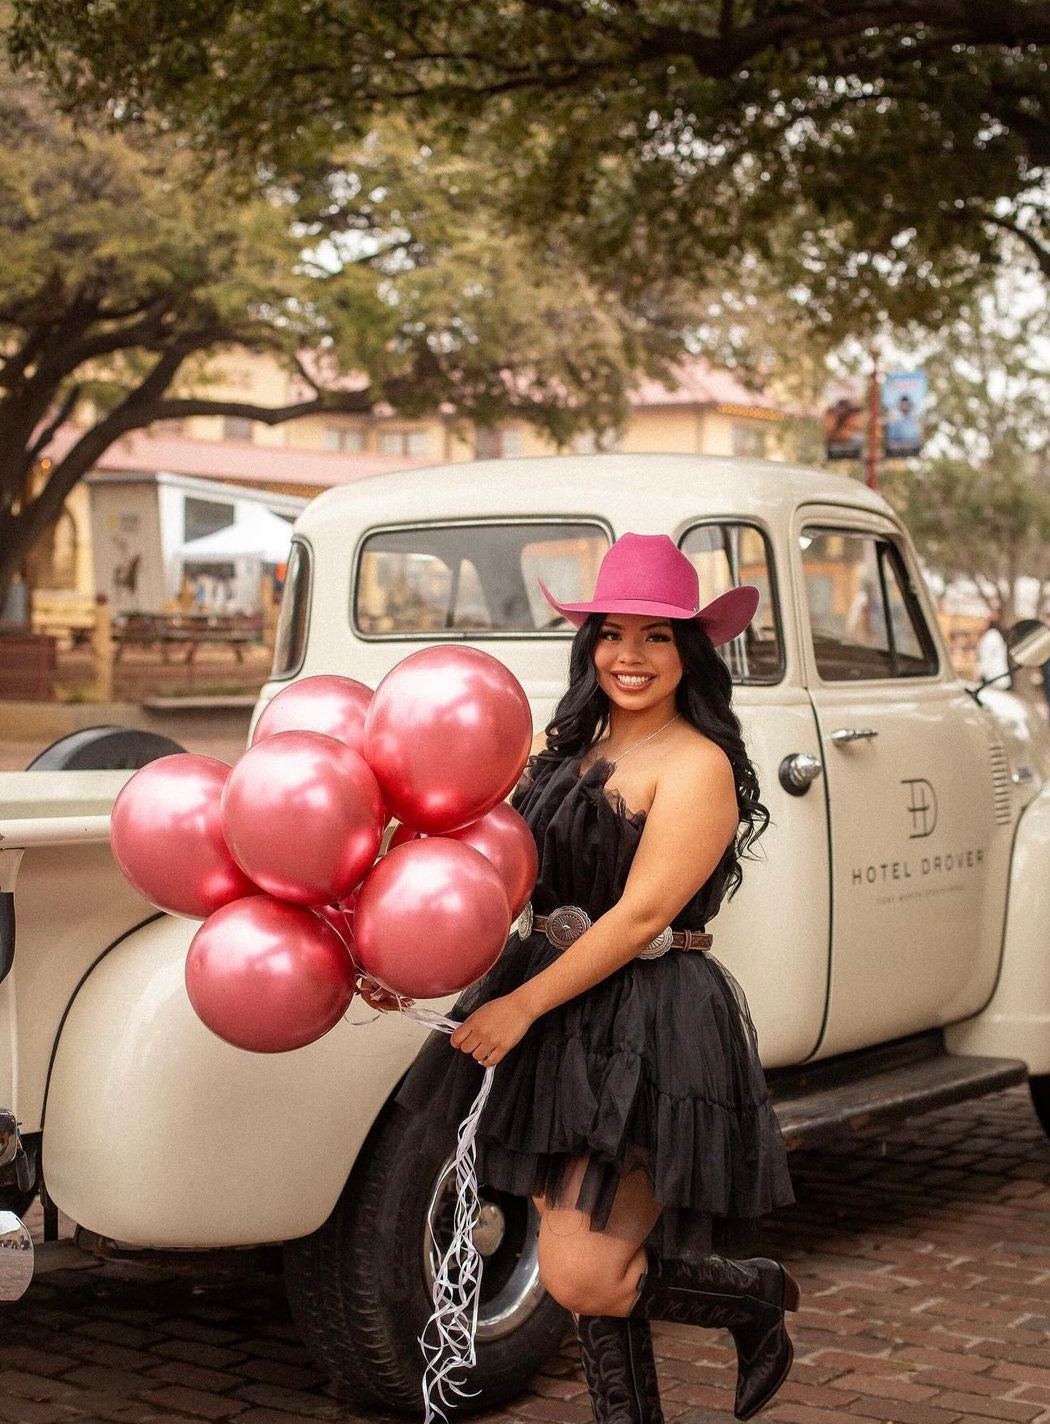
<point>858,1093</point>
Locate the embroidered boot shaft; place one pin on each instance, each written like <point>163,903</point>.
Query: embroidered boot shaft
<point>747,1298</point>
<point>619,1368</point>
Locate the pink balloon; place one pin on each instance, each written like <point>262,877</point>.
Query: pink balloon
<point>167,838</point>
<point>447,734</point>
<point>267,976</point>
<point>503,838</point>
<point>327,703</point>
<point>303,816</point>
<point>431,918</point>
<point>341,918</point>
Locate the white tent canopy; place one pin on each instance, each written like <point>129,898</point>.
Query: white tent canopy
<point>257,534</point>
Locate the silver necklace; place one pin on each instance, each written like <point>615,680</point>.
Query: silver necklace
<point>641,743</point>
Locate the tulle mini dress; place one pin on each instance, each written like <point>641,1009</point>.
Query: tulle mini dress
<point>654,1067</point>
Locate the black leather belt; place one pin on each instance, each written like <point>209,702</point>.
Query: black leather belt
<point>564,926</point>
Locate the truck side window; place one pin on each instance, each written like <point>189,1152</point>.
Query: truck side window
<point>476,579</point>
<point>864,618</point>
<point>727,554</point>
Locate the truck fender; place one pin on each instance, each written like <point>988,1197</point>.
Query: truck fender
<point>157,1133</point>
<point>1015,1023</point>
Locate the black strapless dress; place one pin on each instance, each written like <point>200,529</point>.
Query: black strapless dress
<point>657,1064</point>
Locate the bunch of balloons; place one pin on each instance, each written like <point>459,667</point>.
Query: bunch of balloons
<point>280,854</point>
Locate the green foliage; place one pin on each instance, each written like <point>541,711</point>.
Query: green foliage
<point>873,155</point>
<point>126,265</point>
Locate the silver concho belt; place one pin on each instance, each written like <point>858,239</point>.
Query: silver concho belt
<point>564,926</point>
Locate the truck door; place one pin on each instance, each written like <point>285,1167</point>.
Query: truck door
<point>917,789</point>
<point>773,936</point>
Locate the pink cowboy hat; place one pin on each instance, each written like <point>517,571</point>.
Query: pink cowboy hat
<point>648,573</point>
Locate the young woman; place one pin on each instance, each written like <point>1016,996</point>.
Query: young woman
<point>629,1101</point>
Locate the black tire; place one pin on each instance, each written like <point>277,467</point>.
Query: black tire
<point>1039,1090</point>
<point>359,1287</point>
<point>104,749</point>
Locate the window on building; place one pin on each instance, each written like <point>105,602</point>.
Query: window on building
<point>496,442</point>
<point>865,620</point>
<point>204,516</point>
<point>343,439</point>
<point>236,427</point>
<point>476,578</point>
<point>404,442</point>
<point>749,440</point>
<point>728,554</point>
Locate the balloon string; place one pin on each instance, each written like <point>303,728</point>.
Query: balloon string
<point>448,1338</point>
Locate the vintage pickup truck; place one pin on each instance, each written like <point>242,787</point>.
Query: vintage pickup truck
<point>891,936</point>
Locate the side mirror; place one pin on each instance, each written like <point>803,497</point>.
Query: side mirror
<point>1029,644</point>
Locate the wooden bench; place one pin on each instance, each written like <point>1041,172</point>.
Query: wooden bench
<point>189,631</point>
<point>62,613</point>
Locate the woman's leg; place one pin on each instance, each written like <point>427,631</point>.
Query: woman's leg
<point>610,1274</point>
<point>595,1274</point>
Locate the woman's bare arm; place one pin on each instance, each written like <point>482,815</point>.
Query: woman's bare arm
<point>692,819</point>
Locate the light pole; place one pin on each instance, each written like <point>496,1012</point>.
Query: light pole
<point>871,457</point>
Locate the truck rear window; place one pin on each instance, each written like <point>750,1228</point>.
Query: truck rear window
<point>473,579</point>
<point>726,553</point>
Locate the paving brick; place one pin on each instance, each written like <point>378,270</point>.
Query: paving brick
<point>901,1411</point>
<point>197,1352</point>
<point>198,1403</point>
<point>793,1413</point>
<point>992,1408</point>
<point>882,1386</point>
<point>274,1397</point>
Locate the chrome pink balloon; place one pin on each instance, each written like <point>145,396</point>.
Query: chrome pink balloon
<point>503,838</point>
<point>267,976</point>
<point>341,918</point>
<point>326,703</point>
<point>166,836</point>
<point>431,918</point>
<point>447,734</point>
<point>303,816</point>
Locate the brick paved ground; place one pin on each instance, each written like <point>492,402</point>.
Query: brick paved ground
<point>924,1262</point>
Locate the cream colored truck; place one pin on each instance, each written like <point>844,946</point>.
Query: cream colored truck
<point>892,937</point>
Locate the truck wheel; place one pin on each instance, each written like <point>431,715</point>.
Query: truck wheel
<point>359,1287</point>
<point>104,749</point>
<point>1039,1089</point>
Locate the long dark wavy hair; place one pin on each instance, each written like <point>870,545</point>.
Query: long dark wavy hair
<point>703,698</point>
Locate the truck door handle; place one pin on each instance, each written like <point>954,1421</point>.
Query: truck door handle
<point>853,734</point>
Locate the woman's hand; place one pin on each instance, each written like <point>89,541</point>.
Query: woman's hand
<point>493,1030</point>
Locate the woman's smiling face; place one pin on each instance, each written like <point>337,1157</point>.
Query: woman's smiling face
<point>637,661</point>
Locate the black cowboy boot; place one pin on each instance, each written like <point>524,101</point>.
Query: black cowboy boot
<point>619,1368</point>
<point>747,1298</point>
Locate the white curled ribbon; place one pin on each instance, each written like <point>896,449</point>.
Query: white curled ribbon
<point>448,1338</point>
